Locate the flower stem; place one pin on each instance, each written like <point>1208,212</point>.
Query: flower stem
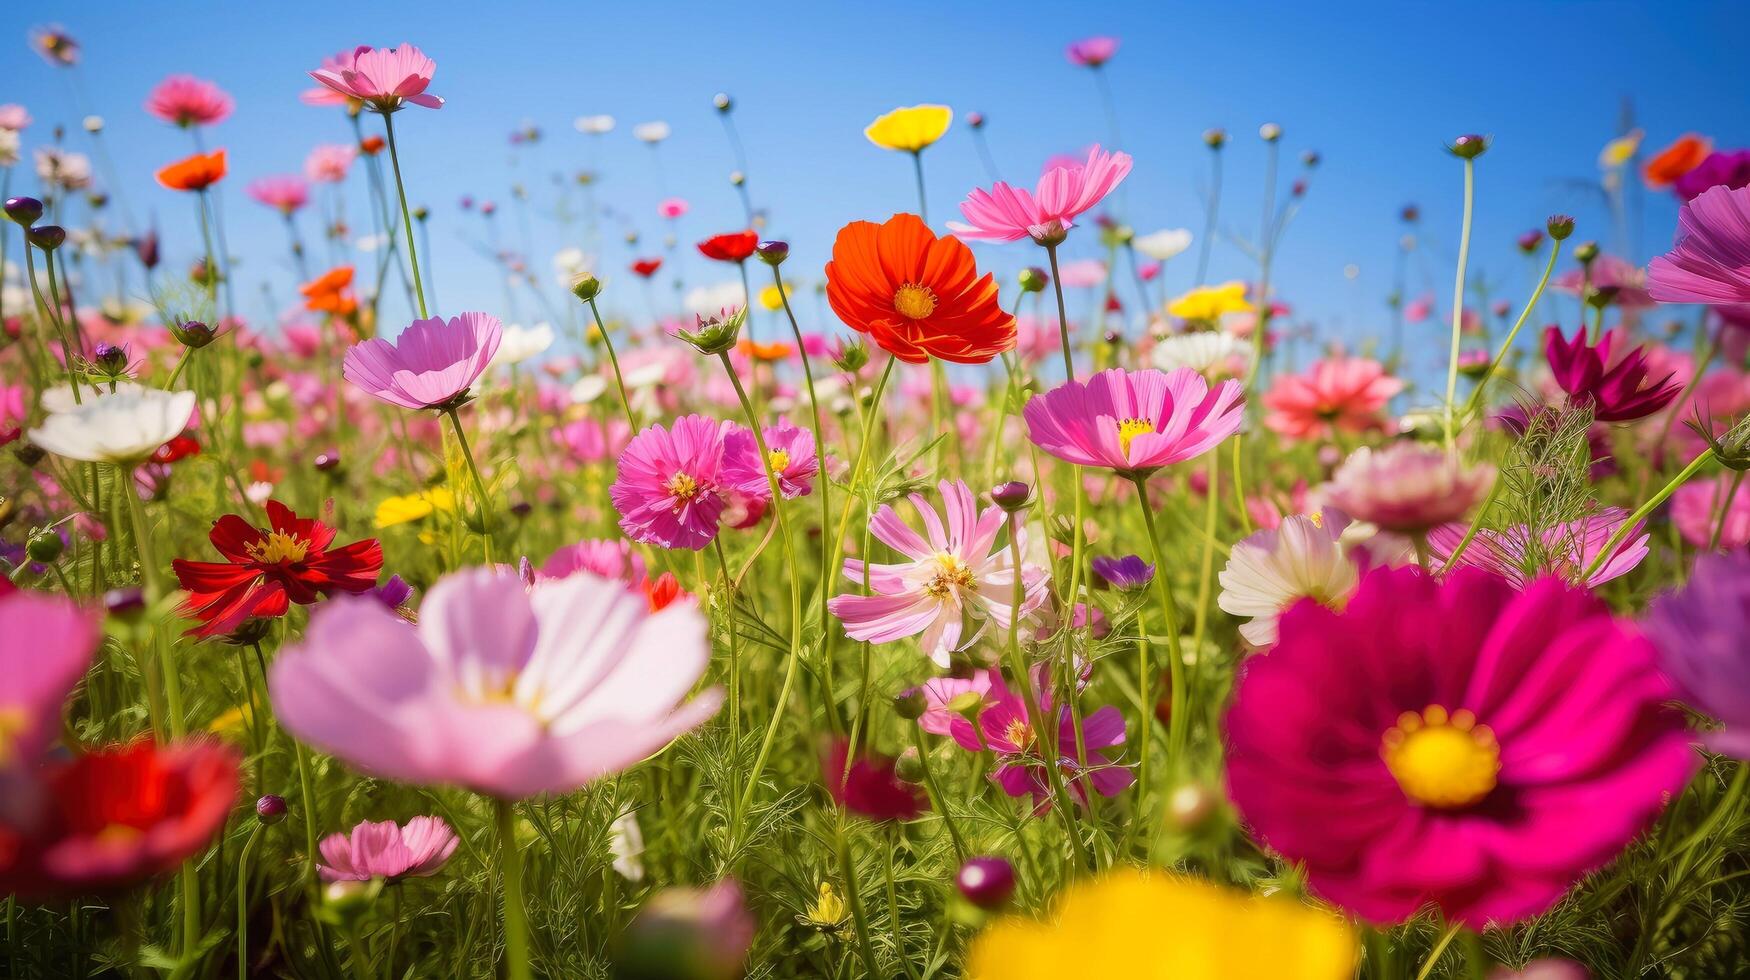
<point>1069,367</point>
<point>1641,512</point>
<point>1209,215</point>
<point>510,870</point>
<point>1176,721</point>
<point>479,485</point>
<point>936,797</point>
<point>855,896</point>
<point>1470,170</point>
<point>1476,393</point>
<point>917,161</point>
<point>893,908</point>
<point>243,902</point>
<point>1427,969</point>
<point>406,216</point>
<point>614,360</point>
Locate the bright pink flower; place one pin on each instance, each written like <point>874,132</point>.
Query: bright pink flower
<point>791,452</point>
<point>601,557</point>
<point>45,646</point>
<point>671,207</point>
<point>942,695</point>
<point>1091,52</point>
<point>868,786</point>
<point>670,486</point>
<point>1005,728</point>
<point>1007,214</point>
<point>185,101</point>
<point>431,364</point>
<point>329,162</point>
<point>1695,509</point>
<point>1337,394</point>
<point>1134,422</point>
<point>1710,263</point>
<point>505,691</point>
<point>1625,281</point>
<point>387,850</point>
<point>1565,550</point>
<point>1617,388</point>
<point>285,194</point>
<point>959,572</point>
<point>1458,742</point>
<point>587,441</point>
<point>383,78</point>
<point>322,94</point>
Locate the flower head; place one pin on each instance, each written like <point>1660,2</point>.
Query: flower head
<point>194,173</point>
<point>331,292</point>
<point>1699,633</point>
<point>1091,52</point>
<point>1565,550</point>
<point>123,426</point>
<point>55,45</point>
<point>185,101</point>
<point>1064,193</point>
<point>1710,262</point>
<point>1706,510</point>
<point>789,451</point>
<point>1126,574</point>
<point>735,246</point>
<point>285,194</point>
<point>329,162</point>
<point>917,296</point>
<point>1005,727</point>
<point>46,644</point>
<point>1303,557</point>
<point>1208,304</point>
<point>868,786</point>
<point>382,78</point>
<point>1617,389</point>
<point>1164,244</point>
<point>1671,163</point>
<point>1408,487</point>
<point>670,484</point>
<point>910,128</point>
<point>387,850</point>
<point>432,363</point>
<point>1336,394</point>
<point>1505,743</point>
<point>500,690</point>
<point>1729,169</point>
<point>1134,422</point>
<point>1211,353</point>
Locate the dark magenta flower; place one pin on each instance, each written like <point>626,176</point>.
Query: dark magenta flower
<point>1729,169</point>
<point>1126,574</point>
<point>1617,389</point>
<point>869,787</point>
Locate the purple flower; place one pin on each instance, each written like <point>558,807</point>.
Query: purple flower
<point>1729,169</point>
<point>1126,574</point>
<point>1699,632</point>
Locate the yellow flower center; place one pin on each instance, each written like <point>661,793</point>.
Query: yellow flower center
<point>118,835</point>
<point>1129,429</point>
<point>1440,760</point>
<point>12,725</point>
<point>914,302</point>
<point>1019,734</point>
<point>951,574</point>
<point>682,487</point>
<point>779,460</point>
<point>278,547</point>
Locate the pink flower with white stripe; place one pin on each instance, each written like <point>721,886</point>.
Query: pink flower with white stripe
<point>1009,214</point>
<point>957,574</point>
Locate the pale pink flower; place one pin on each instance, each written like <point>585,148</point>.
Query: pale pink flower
<point>387,850</point>
<point>1566,550</point>
<point>1082,273</point>
<point>382,78</point>
<point>322,94</point>
<point>602,557</point>
<point>14,117</point>
<point>430,365</point>
<point>284,193</point>
<point>185,101</point>
<point>1007,214</point>
<point>1695,509</point>
<point>1337,394</point>
<point>329,162</point>
<point>1408,487</point>
<point>1091,52</point>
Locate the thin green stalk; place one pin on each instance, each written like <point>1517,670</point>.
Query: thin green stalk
<point>1470,169</point>
<point>854,895</point>
<point>1069,367</point>
<point>1209,216</point>
<point>1641,512</point>
<point>734,647</point>
<point>243,902</point>
<point>510,872</point>
<point>479,485</point>
<point>406,216</point>
<point>1713,543</point>
<point>936,797</point>
<point>1427,969</point>
<point>1206,569</point>
<point>893,908</point>
<point>917,160</point>
<point>614,360</point>
<point>1476,393</point>
<point>1176,722</point>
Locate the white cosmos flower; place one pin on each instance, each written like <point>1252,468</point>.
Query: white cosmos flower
<point>520,343</point>
<point>626,844</point>
<point>1164,244</point>
<point>1304,558</point>
<point>646,375</point>
<point>588,388</point>
<point>123,426</point>
<point>594,125</point>
<point>651,132</point>
<point>1210,353</point>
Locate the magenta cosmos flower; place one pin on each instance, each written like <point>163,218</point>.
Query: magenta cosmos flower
<point>1006,729</point>
<point>1699,631</point>
<point>382,78</point>
<point>957,573</point>
<point>1337,394</point>
<point>1008,214</point>
<point>789,449</point>
<point>387,850</point>
<point>1091,52</point>
<point>186,101</point>
<point>431,365</point>
<point>1617,389</point>
<point>671,485</point>
<point>503,690</point>
<point>45,647</point>
<point>1710,262</point>
<point>284,193</point>
<point>1134,422</point>
<point>1459,743</point>
<point>1565,550</point>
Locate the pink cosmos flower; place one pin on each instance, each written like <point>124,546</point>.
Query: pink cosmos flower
<point>508,692</point>
<point>322,94</point>
<point>944,695</point>
<point>1082,273</point>
<point>1699,632</point>
<point>1134,422</point>
<point>382,78</point>
<point>1005,728</point>
<point>1408,487</point>
<point>1564,551</point>
<point>329,162</point>
<point>1695,509</point>
<point>672,207</point>
<point>1710,262</point>
<point>387,850</point>
<point>1617,385</point>
<point>1007,214</point>
<point>430,365</point>
<point>1337,394</point>
<point>957,573</point>
<point>601,557</point>
<point>669,490</point>
<point>791,451</point>
<point>1091,52</point>
<point>45,646</point>
<point>587,441</point>
<point>185,101</point>
<point>285,194</point>
<point>14,117</point>
<point>1625,282</point>
<point>1458,742</point>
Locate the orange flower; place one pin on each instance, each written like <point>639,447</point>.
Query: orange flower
<point>917,296</point>
<point>371,145</point>
<point>1677,159</point>
<point>196,173</point>
<point>777,350</point>
<point>330,292</point>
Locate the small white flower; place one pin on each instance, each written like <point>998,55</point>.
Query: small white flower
<point>259,492</point>
<point>594,125</point>
<point>588,388</point>
<point>1304,558</point>
<point>646,375</point>
<point>520,343</point>
<point>626,844</point>
<point>124,426</point>
<point>1208,352</point>
<point>651,132</point>
<point>1164,244</point>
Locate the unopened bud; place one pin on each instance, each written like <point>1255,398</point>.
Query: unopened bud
<point>586,287</point>
<point>1468,147</point>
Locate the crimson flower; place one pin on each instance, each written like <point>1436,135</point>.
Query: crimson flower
<point>645,268</point>
<point>176,449</point>
<point>735,246</point>
<point>870,787</point>
<point>1617,389</point>
<point>267,569</point>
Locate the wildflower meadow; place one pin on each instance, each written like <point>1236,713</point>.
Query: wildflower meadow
<point>1008,582</point>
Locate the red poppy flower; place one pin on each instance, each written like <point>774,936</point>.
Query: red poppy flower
<point>871,788</point>
<point>176,449</point>
<point>733,247</point>
<point>917,296</point>
<point>662,590</point>
<point>195,173</point>
<point>112,818</point>
<point>646,268</point>
<point>267,569</point>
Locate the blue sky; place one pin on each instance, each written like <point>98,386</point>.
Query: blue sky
<point>1375,88</point>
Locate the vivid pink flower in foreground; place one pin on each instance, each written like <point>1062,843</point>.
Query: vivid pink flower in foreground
<point>670,485</point>
<point>431,365</point>
<point>284,193</point>
<point>387,850</point>
<point>1454,742</point>
<point>957,573</point>
<point>382,78</point>
<point>1134,422</point>
<point>499,689</point>
<point>1710,262</point>
<point>1564,551</point>
<point>1337,394</point>
<point>790,450</point>
<point>1007,214</point>
<point>185,101</point>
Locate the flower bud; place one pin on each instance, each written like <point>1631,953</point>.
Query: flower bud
<point>28,453</point>
<point>687,934</point>
<point>586,287</point>
<point>715,334</point>
<point>193,333</point>
<point>110,359</point>
<point>1214,138</point>
<point>44,545</point>
<point>1586,252</point>
<point>975,120</point>
<point>47,237</point>
<point>1559,226</point>
<point>1190,806</point>
<point>910,704</point>
<point>1410,214</point>
<point>270,809</point>
<point>909,767</point>
<point>1310,159</point>
<point>1269,132</point>
<point>737,178</point>
<point>93,124</point>
<point>1529,241</point>
<point>1034,279</point>
<point>1113,337</point>
<point>1468,147</point>
<point>1012,496</point>
<point>723,102</point>
<point>24,210</point>
<point>421,213</point>
<point>146,248</point>
<point>849,356</point>
<point>987,882</point>
<point>773,253</point>
<point>328,461</point>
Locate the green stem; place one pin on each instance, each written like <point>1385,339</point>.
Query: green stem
<point>1470,169</point>
<point>1209,215</point>
<point>1069,367</point>
<point>614,360</point>
<point>1641,512</point>
<point>917,160</point>
<point>406,216</point>
<point>1713,543</point>
<point>479,485</point>
<point>893,909</point>
<point>243,902</point>
<point>1427,969</point>
<point>510,870</point>
<point>936,796</point>
<point>854,895</point>
<point>1176,722</point>
<point>1476,393</point>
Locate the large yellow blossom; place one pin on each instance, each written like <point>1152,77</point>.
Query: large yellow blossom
<point>414,506</point>
<point>1210,302</point>
<point>1167,927</point>
<point>910,128</point>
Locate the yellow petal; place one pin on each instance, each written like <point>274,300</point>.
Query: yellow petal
<point>910,128</point>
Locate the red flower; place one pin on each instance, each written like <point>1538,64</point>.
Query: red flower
<point>871,788</point>
<point>267,569</point>
<point>645,268</point>
<point>195,173</point>
<point>733,247</point>
<point>115,817</point>
<point>662,590</point>
<point>372,145</point>
<point>176,449</point>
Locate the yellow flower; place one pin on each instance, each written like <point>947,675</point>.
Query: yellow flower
<point>1210,302</point>
<point>414,506</point>
<point>1620,150</point>
<point>1167,927</point>
<point>828,913</point>
<point>772,299</point>
<point>910,128</point>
